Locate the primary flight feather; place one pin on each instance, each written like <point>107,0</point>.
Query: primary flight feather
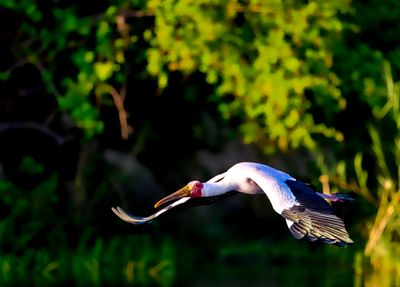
<point>307,213</point>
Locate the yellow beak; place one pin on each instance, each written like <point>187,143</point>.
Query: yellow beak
<point>183,192</point>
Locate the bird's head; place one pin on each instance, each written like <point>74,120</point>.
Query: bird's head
<point>192,189</point>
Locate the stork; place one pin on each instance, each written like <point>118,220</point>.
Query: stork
<point>307,212</point>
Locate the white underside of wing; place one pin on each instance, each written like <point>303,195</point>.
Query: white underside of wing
<point>217,178</point>
<point>139,220</point>
<point>289,223</point>
<point>279,194</point>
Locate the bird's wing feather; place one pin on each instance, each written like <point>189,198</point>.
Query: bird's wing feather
<point>308,215</point>
<point>198,201</point>
<point>139,220</point>
<point>190,203</point>
<point>313,218</point>
<point>217,178</point>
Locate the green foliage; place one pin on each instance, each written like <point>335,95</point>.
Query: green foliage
<point>283,62</point>
<point>30,166</point>
<point>95,46</point>
<point>22,204</point>
<point>264,260</point>
<point>382,190</point>
<point>93,264</point>
<point>283,68</point>
<point>365,79</point>
<point>35,247</point>
<point>268,55</point>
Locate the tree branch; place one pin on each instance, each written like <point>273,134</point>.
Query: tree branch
<point>119,104</point>
<point>60,140</point>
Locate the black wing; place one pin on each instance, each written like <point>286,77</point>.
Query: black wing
<point>314,219</point>
<point>199,201</point>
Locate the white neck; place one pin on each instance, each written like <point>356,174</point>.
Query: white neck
<point>217,188</point>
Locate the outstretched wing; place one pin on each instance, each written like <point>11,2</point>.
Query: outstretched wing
<point>199,201</point>
<point>307,214</point>
<point>139,220</point>
<point>313,218</point>
<point>190,203</point>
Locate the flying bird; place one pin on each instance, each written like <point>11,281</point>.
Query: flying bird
<point>307,212</point>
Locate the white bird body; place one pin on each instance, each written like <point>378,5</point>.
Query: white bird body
<point>306,212</point>
<point>253,178</point>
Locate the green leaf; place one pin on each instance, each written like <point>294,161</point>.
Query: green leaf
<point>30,166</point>
<point>104,70</point>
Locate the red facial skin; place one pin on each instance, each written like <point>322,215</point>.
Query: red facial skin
<point>197,186</point>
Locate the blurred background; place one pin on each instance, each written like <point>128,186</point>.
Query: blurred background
<point>119,103</point>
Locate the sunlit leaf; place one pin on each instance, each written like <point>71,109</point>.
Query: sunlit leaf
<point>103,70</point>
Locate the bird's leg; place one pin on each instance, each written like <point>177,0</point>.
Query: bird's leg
<point>337,197</point>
